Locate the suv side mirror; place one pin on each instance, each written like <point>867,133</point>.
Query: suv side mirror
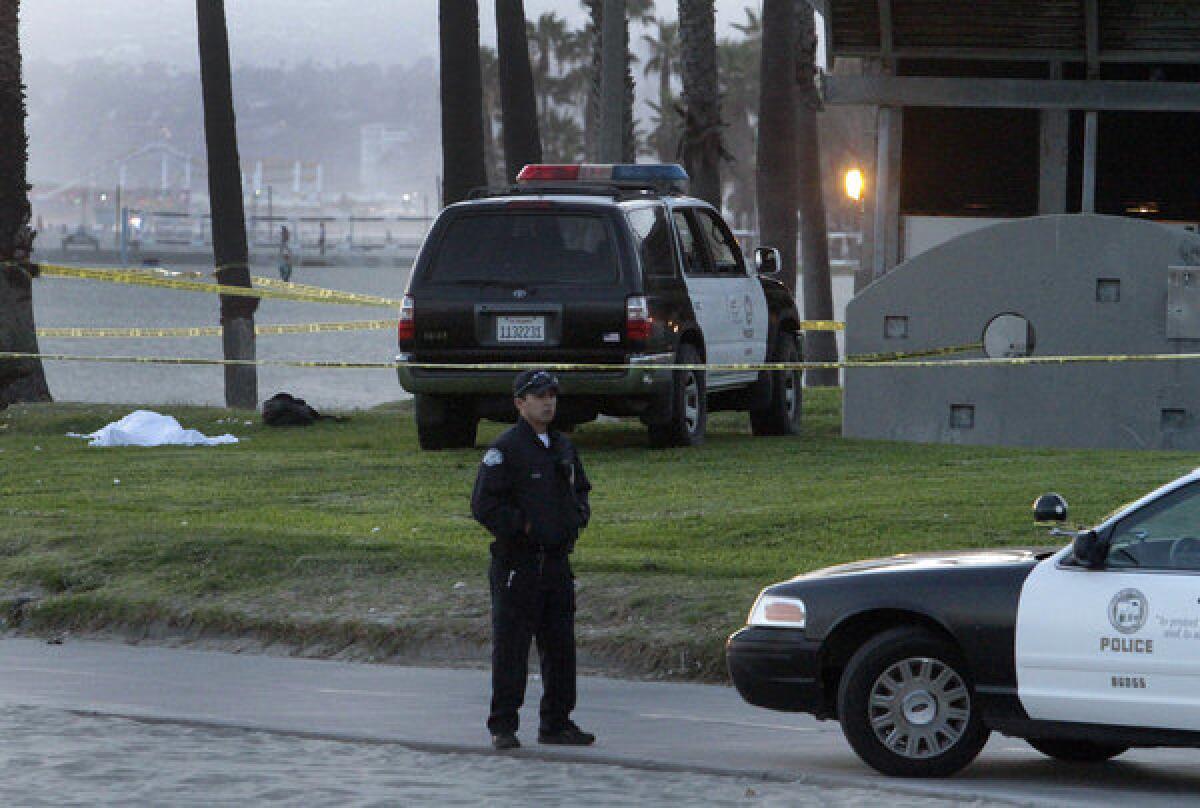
<point>1089,550</point>
<point>1050,508</point>
<point>768,260</point>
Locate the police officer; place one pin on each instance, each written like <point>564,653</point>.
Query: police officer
<point>532,496</point>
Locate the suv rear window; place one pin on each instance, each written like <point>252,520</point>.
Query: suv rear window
<point>526,247</point>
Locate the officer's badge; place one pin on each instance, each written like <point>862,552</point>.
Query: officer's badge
<point>494,457</point>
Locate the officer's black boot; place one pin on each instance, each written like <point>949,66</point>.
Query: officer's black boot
<point>569,735</point>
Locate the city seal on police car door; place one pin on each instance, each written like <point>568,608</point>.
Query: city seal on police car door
<point>1127,611</point>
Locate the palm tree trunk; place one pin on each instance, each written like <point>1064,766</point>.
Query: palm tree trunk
<point>612,81</point>
<point>629,144</point>
<point>702,110</point>
<point>462,100</point>
<point>819,346</point>
<point>591,110</point>
<point>777,177</point>
<point>666,102</point>
<point>23,379</point>
<point>522,141</point>
<point>228,214</point>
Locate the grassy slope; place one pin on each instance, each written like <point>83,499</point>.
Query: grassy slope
<point>345,533</point>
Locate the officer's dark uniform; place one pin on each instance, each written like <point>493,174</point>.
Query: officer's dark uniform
<point>521,482</point>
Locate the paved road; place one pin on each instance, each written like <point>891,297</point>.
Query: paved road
<point>672,727</point>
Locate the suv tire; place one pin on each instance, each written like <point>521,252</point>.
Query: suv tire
<point>907,705</point>
<point>781,416</point>
<point>445,422</point>
<point>689,406</point>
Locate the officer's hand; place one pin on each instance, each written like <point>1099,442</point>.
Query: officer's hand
<point>528,527</point>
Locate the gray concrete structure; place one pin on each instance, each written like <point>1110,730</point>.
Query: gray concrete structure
<point>1087,285</point>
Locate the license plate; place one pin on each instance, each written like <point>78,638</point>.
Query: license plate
<point>520,329</point>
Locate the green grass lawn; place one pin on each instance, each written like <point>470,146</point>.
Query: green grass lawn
<point>346,533</point>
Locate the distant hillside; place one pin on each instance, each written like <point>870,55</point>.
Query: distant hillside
<point>84,115</point>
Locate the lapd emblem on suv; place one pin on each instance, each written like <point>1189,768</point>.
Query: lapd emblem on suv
<point>1127,611</point>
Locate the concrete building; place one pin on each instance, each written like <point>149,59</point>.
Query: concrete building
<point>992,115</point>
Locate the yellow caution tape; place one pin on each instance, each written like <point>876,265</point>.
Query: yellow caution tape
<point>268,288</point>
<point>570,367</point>
<point>170,360</point>
<point>212,331</point>
<point>140,278</point>
<point>822,325</point>
<point>322,293</point>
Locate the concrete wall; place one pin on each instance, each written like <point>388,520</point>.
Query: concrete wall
<point>1045,269</point>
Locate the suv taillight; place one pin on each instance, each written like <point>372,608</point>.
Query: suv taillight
<point>407,329</point>
<point>637,318</point>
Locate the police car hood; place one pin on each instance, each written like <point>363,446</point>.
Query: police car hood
<point>929,561</point>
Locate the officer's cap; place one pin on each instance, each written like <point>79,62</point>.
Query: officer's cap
<point>534,381</point>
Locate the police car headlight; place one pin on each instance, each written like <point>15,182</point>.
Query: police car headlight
<point>777,612</point>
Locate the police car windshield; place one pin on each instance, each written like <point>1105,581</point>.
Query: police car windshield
<point>526,247</point>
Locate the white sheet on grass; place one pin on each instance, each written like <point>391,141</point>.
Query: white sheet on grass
<point>146,428</point>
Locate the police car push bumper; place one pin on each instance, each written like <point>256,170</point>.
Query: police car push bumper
<point>635,380</point>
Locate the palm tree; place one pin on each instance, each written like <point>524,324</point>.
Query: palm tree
<point>489,64</point>
<point>225,192</point>
<point>739,63</point>
<point>613,65</point>
<point>820,346</point>
<point>561,84</point>
<point>522,142</point>
<point>547,42</point>
<point>462,99</point>
<point>20,380</point>
<point>777,155</point>
<point>664,59</point>
<point>640,11</point>
<point>702,150</point>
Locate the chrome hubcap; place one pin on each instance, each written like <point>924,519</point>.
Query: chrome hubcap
<point>691,403</point>
<point>919,708</point>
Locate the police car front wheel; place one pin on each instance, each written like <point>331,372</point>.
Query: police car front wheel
<point>1076,751</point>
<point>907,707</point>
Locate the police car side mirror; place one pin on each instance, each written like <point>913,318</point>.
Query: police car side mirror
<point>1050,508</point>
<point>1089,550</point>
<point>768,260</point>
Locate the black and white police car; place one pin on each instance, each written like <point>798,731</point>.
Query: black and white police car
<point>606,265</point>
<point>1084,651</point>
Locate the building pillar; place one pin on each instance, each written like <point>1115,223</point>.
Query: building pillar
<point>1091,136</point>
<point>866,222</point>
<point>885,196</point>
<point>1052,156</point>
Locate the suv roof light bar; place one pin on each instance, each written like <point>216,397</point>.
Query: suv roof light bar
<point>666,176</point>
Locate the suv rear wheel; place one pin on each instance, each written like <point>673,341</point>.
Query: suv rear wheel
<point>689,406</point>
<point>781,416</point>
<point>445,422</point>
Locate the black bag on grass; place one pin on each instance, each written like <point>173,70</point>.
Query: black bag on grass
<point>284,409</point>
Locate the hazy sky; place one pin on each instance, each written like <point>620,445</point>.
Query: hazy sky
<point>269,31</point>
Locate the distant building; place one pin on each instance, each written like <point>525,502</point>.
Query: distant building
<point>384,165</point>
